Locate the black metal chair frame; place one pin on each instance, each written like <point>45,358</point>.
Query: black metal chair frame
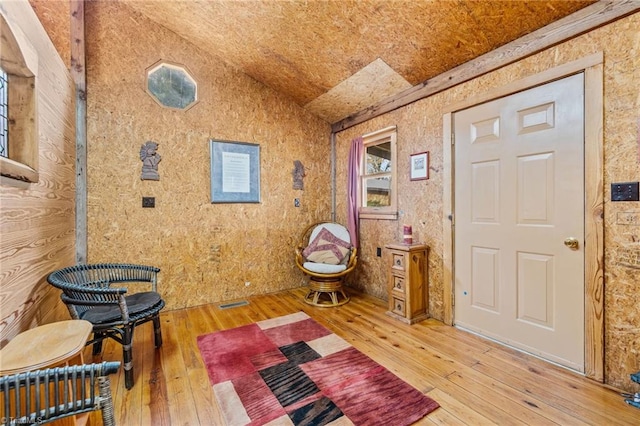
<point>42,396</point>
<point>88,294</point>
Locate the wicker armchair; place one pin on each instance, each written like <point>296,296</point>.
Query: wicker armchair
<point>325,279</point>
<point>42,396</point>
<point>88,293</point>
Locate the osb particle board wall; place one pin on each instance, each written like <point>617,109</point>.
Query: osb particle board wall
<point>420,202</point>
<point>37,220</point>
<point>207,252</point>
<point>55,16</point>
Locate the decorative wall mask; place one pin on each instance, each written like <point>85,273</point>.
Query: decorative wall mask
<point>298,175</point>
<point>150,159</point>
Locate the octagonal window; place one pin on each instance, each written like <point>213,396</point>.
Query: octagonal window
<point>172,86</point>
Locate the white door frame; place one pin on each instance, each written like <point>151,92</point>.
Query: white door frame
<point>592,66</point>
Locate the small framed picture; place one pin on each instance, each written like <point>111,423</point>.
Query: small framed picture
<point>420,166</point>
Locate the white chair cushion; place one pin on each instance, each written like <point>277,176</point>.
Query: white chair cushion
<point>324,268</point>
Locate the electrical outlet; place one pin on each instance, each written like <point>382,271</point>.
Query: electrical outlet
<point>625,191</point>
<point>247,283</point>
<point>148,202</point>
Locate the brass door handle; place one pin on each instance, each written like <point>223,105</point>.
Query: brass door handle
<point>572,243</point>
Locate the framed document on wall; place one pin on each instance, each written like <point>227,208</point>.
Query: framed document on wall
<point>235,172</point>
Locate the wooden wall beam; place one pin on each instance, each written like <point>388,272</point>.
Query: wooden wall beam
<point>78,73</point>
<point>580,22</point>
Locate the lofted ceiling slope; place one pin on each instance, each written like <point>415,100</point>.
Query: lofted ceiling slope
<point>338,57</point>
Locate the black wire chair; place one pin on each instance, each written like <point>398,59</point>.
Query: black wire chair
<point>88,294</point>
<point>42,396</point>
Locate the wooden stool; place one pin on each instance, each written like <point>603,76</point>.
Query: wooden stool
<point>50,345</point>
<point>45,346</point>
<point>331,287</point>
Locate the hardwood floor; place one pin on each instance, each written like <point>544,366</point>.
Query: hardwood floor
<point>476,381</point>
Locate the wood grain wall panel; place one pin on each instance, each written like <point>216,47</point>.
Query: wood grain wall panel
<point>420,202</point>
<point>36,220</point>
<point>207,252</point>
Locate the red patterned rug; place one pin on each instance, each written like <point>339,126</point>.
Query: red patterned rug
<point>292,371</point>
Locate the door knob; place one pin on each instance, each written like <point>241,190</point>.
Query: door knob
<point>571,242</point>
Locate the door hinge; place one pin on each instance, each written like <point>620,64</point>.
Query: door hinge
<point>452,219</point>
<point>453,299</point>
<point>453,138</point>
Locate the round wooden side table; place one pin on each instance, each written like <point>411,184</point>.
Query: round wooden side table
<point>49,345</point>
<point>45,346</point>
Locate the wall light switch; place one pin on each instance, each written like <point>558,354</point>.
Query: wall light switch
<point>625,191</point>
<point>148,202</point>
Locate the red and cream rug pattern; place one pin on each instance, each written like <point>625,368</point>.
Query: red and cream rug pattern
<point>293,371</point>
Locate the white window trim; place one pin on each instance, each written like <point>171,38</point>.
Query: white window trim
<point>387,212</point>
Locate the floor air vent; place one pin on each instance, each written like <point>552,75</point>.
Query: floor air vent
<point>233,304</point>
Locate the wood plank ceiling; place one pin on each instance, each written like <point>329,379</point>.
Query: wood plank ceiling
<point>338,57</point>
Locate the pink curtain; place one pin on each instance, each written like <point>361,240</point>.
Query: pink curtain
<point>353,176</point>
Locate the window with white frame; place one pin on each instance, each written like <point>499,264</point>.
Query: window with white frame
<point>378,188</point>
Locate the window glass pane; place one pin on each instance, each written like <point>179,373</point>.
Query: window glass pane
<point>4,114</point>
<point>378,192</point>
<point>378,158</point>
<point>172,86</point>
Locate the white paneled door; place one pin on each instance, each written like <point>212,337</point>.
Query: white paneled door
<point>519,220</point>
